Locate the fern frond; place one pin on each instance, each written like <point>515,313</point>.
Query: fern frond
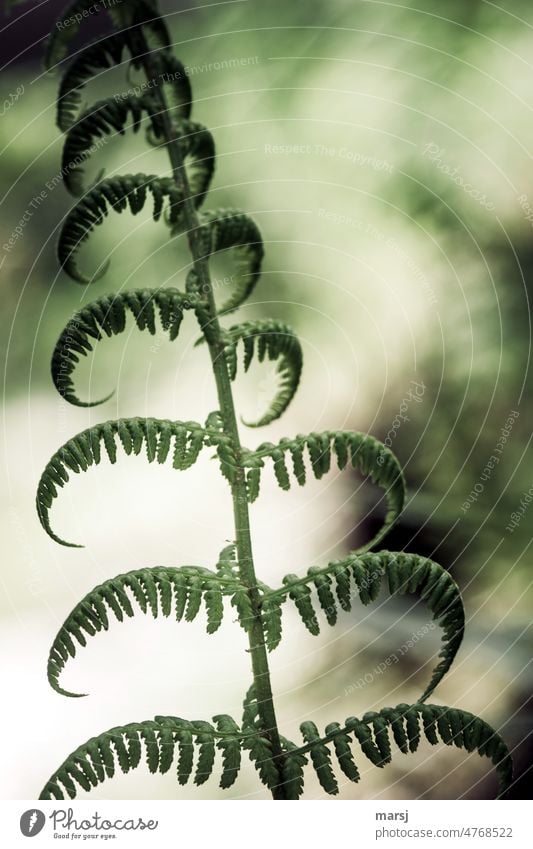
<point>198,151</point>
<point>250,710</point>
<point>117,193</point>
<point>101,119</point>
<point>271,621</point>
<point>230,746</point>
<point>362,576</point>
<point>125,15</point>
<point>230,229</point>
<point>260,751</point>
<point>364,452</point>
<point>110,116</point>
<point>273,340</point>
<point>159,741</point>
<point>173,81</point>
<point>227,561</point>
<point>320,757</point>
<point>408,723</point>
<point>158,436</point>
<point>107,315</point>
<point>292,773</point>
<point>65,30</point>
<point>257,743</point>
<point>161,590</point>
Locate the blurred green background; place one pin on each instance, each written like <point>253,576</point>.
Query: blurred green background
<point>385,152</point>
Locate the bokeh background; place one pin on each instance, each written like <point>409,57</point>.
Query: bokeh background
<point>385,151</point>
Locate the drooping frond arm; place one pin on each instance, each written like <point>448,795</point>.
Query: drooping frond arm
<point>161,590</point>
<point>361,576</point>
<point>107,315</point>
<point>229,230</point>
<point>111,116</point>
<point>371,734</point>
<point>104,118</point>
<point>106,53</point>
<point>161,437</point>
<point>90,62</point>
<point>124,15</point>
<point>362,451</point>
<point>157,742</point>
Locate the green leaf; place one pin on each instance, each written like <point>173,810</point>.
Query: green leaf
<point>84,450</point>
<point>274,340</point>
<point>107,316</point>
<point>320,757</point>
<point>118,193</point>
<point>260,751</point>
<point>121,747</point>
<point>91,615</point>
<point>367,454</point>
<point>363,575</point>
<point>230,746</point>
<point>230,230</point>
<point>293,772</point>
<point>408,723</point>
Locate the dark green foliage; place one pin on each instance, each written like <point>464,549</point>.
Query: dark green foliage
<point>161,438</point>
<point>275,341</point>
<point>117,193</point>
<point>320,757</point>
<point>293,771</point>
<point>111,116</point>
<point>363,452</point>
<point>230,743</point>
<point>159,741</point>
<point>361,576</point>
<point>371,735</point>
<point>162,590</point>
<point>125,14</point>
<point>224,230</point>
<point>90,62</point>
<point>104,118</point>
<point>107,316</point>
<point>162,104</point>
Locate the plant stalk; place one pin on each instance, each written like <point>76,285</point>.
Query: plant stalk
<point>215,341</point>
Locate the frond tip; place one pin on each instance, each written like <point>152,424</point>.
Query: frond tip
<point>157,742</point>
<point>371,735</point>
<point>161,590</point>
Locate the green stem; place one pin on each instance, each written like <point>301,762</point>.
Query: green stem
<point>214,338</point>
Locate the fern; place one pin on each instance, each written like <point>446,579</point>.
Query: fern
<point>162,590</point>
<point>108,315</point>
<point>117,193</point>
<point>364,452</point>
<point>408,723</point>
<point>140,41</point>
<point>156,742</point>
<point>362,575</point>
<point>274,340</point>
<point>229,229</point>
